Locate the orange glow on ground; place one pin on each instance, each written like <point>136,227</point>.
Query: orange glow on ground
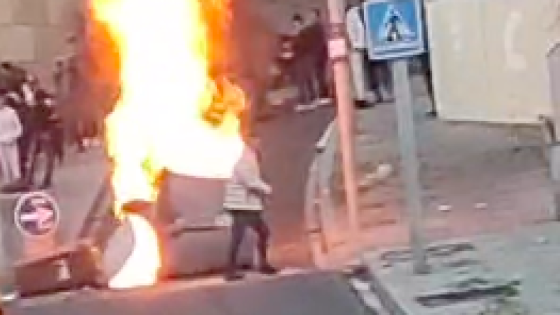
<point>165,51</point>
<point>143,256</point>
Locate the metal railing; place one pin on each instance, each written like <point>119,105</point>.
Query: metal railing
<point>320,216</point>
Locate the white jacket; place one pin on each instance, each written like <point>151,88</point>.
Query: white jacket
<point>246,179</point>
<point>10,126</point>
<point>355,28</point>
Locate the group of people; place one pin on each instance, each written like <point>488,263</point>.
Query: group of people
<point>30,126</point>
<point>371,79</point>
<point>303,60</point>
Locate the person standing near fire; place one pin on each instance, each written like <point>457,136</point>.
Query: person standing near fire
<point>244,201</point>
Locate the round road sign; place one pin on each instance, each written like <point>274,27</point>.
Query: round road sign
<point>36,214</point>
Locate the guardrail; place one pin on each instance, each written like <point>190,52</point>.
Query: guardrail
<point>320,220</point>
<point>99,212</point>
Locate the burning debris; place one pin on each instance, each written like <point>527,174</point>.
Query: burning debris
<point>176,109</point>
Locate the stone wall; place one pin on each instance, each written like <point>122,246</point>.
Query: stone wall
<point>33,33</point>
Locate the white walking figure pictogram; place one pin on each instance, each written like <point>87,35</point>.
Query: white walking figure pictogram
<point>394,27</point>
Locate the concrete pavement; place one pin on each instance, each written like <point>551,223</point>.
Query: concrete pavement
<point>476,178</point>
<point>508,273</point>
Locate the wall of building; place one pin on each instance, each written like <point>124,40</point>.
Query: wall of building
<point>34,33</point>
<point>489,58</point>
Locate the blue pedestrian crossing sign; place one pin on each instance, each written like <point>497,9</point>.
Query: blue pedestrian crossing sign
<point>394,29</point>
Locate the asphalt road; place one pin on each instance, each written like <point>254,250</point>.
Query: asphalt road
<point>288,149</point>
<point>288,144</point>
<point>301,294</point>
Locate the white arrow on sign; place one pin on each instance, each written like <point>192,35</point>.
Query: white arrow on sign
<point>41,216</point>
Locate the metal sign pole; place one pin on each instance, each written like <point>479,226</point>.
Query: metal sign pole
<point>409,158</point>
<point>338,52</point>
<point>553,59</point>
<point>395,33</point>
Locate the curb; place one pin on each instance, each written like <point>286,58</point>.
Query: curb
<point>317,205</point>
<point>97,214</point>
<point>385,297</point>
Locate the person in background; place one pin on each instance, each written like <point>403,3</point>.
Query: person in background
<point>26,108</point>
<point>29,89</point>
<point>10,131</point>
<point>244,201</point>
<point>58,76</point>
<point>285,61</point>
<point>381,80</point>
<point>13,76</point>
<point>372,78</point>
<point>320,57</point>
<point>426,67</point>
<point>47,125</point>
<point>304,63</point>
<point>15,100</point>
<point>358,55</point>
<point>55,123</point>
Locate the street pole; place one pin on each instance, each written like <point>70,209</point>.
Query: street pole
<point>409,160</point>
<point>338,52</point>
<point>552,127</point>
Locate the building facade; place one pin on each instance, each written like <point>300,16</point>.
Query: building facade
<point>34,33</point>
<point>489,58</point>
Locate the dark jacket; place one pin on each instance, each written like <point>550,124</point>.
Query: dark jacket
<point>301,43</point>
<point>318,40</point>
<point>310,43</point>
<point>45,116</point>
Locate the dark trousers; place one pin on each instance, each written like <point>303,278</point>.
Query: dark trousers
<point>24,144</point>
<point>85,129</point>
<point>58,142</point>
<point>304,75</point>
<point>243,219</point>
<point>380,76</point>
<point>321,77</point>
<point>42,144</point>
<point>427,71</point>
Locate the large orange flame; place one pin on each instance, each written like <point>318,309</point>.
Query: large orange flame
<point>174,110</point>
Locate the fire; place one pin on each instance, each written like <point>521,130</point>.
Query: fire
<point>143,234</point>
<point>174,111</point>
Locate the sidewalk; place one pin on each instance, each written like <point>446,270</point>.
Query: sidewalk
<point>508,274</point>
<point>75,186</point>
<point>476,178</point>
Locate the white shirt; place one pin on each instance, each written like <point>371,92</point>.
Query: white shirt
<point>29,95</point>
<point>246,177</point>
<point>10,126</point>
<point>355,28</point>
